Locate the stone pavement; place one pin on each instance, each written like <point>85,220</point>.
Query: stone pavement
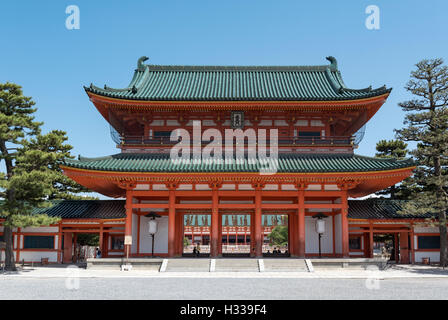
<point>393,271</point>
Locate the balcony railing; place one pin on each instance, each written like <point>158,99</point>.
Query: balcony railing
<point>282,141</point>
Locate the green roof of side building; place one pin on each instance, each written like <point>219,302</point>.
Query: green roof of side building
<point>373,208</point>
<point>287,163</point>
<point>237,83</point>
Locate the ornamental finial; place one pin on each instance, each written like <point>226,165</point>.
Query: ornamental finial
<point>140,65</point>
<point>334,62</point>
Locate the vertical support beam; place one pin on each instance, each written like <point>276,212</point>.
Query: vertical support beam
<point>333,220</point>
<point>171,220</point>
<point>68,247</point>
<point>257,223</point>
<point>252,235</point>
<point>128,224</point>
<point>404,247</point>
<point>215,222</point>
<point>101,241</point>
<point>396,247</point>
<point>18,244</point>
<point>291,234</point>
<point>301,222</point>
<point>180,234</point>
<point>139,218</point>
<point>219,234</point>
<point>60,249</point>
<point>411,236</point>
<point>370,241</point>
<point>344,225</point>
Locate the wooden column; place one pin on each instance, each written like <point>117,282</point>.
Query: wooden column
<point>370,241</point>
<point>301,222</point>
<point>396,247</point>
<point>60,249</point>
<point>291,234</point>
<point>180,234</point>
<point>68,247</point>
<point>404,247</point>
<point>172,221</point>
<point>344,225</point>
<point>18,243</point>
<point>128,224</point>
<point>214,230</point>
<point>220,235</point>
<point>257,223</point>
<point>411,244</point>
<point>101,242</point>
<point>138,234</point>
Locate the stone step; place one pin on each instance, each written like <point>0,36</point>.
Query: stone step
<point>236,265</point>
<point>188,265</point>
<point>285,265</point>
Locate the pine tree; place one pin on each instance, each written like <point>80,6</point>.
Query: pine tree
<point>32,176</point>
<point>427,123</point>
<point>393,149</point>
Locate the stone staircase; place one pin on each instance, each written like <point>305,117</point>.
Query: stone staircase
<point>285,265</point>
<point>188,265</point>
<point>236,265</point>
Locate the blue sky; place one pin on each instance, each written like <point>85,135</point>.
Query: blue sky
<point>52,63</point>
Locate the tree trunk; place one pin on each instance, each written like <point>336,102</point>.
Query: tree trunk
<point>9,253</point>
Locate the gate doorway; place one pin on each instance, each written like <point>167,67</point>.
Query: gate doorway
<point>196,237</point>
<point>275,235</point>
<point>385,245</point>
<point>236,238</point>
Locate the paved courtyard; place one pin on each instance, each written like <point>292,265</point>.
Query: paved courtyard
<point>223,288</point>
<point>397,282</point>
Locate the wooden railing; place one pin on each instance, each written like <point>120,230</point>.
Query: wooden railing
<point>282,141</point>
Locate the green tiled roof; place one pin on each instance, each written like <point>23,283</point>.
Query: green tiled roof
<point>85,209</point>
<point>288,163</point>
<point>380,209</point>
<point>237,83</point>
<point>115,209</point>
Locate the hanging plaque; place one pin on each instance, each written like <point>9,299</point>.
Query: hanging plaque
<point>237,120</point>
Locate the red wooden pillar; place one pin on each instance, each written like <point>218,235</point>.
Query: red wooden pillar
<point>411,244</point>
<point>301,223</point>
<point>101,241</point>
<point>214,223</point>
<point>404,247</point>
<point>291,234</point>
<point>257,223</point>
<point>128,224</point>
<point>172,221</point>
<point>370,241</point>
<point>181,234</point>
<point>396,247</point>
<point>68,247</point>
<point>220,235</point>
<point>138,234</point>
<point>60,249</point>
<point>344,225</point>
